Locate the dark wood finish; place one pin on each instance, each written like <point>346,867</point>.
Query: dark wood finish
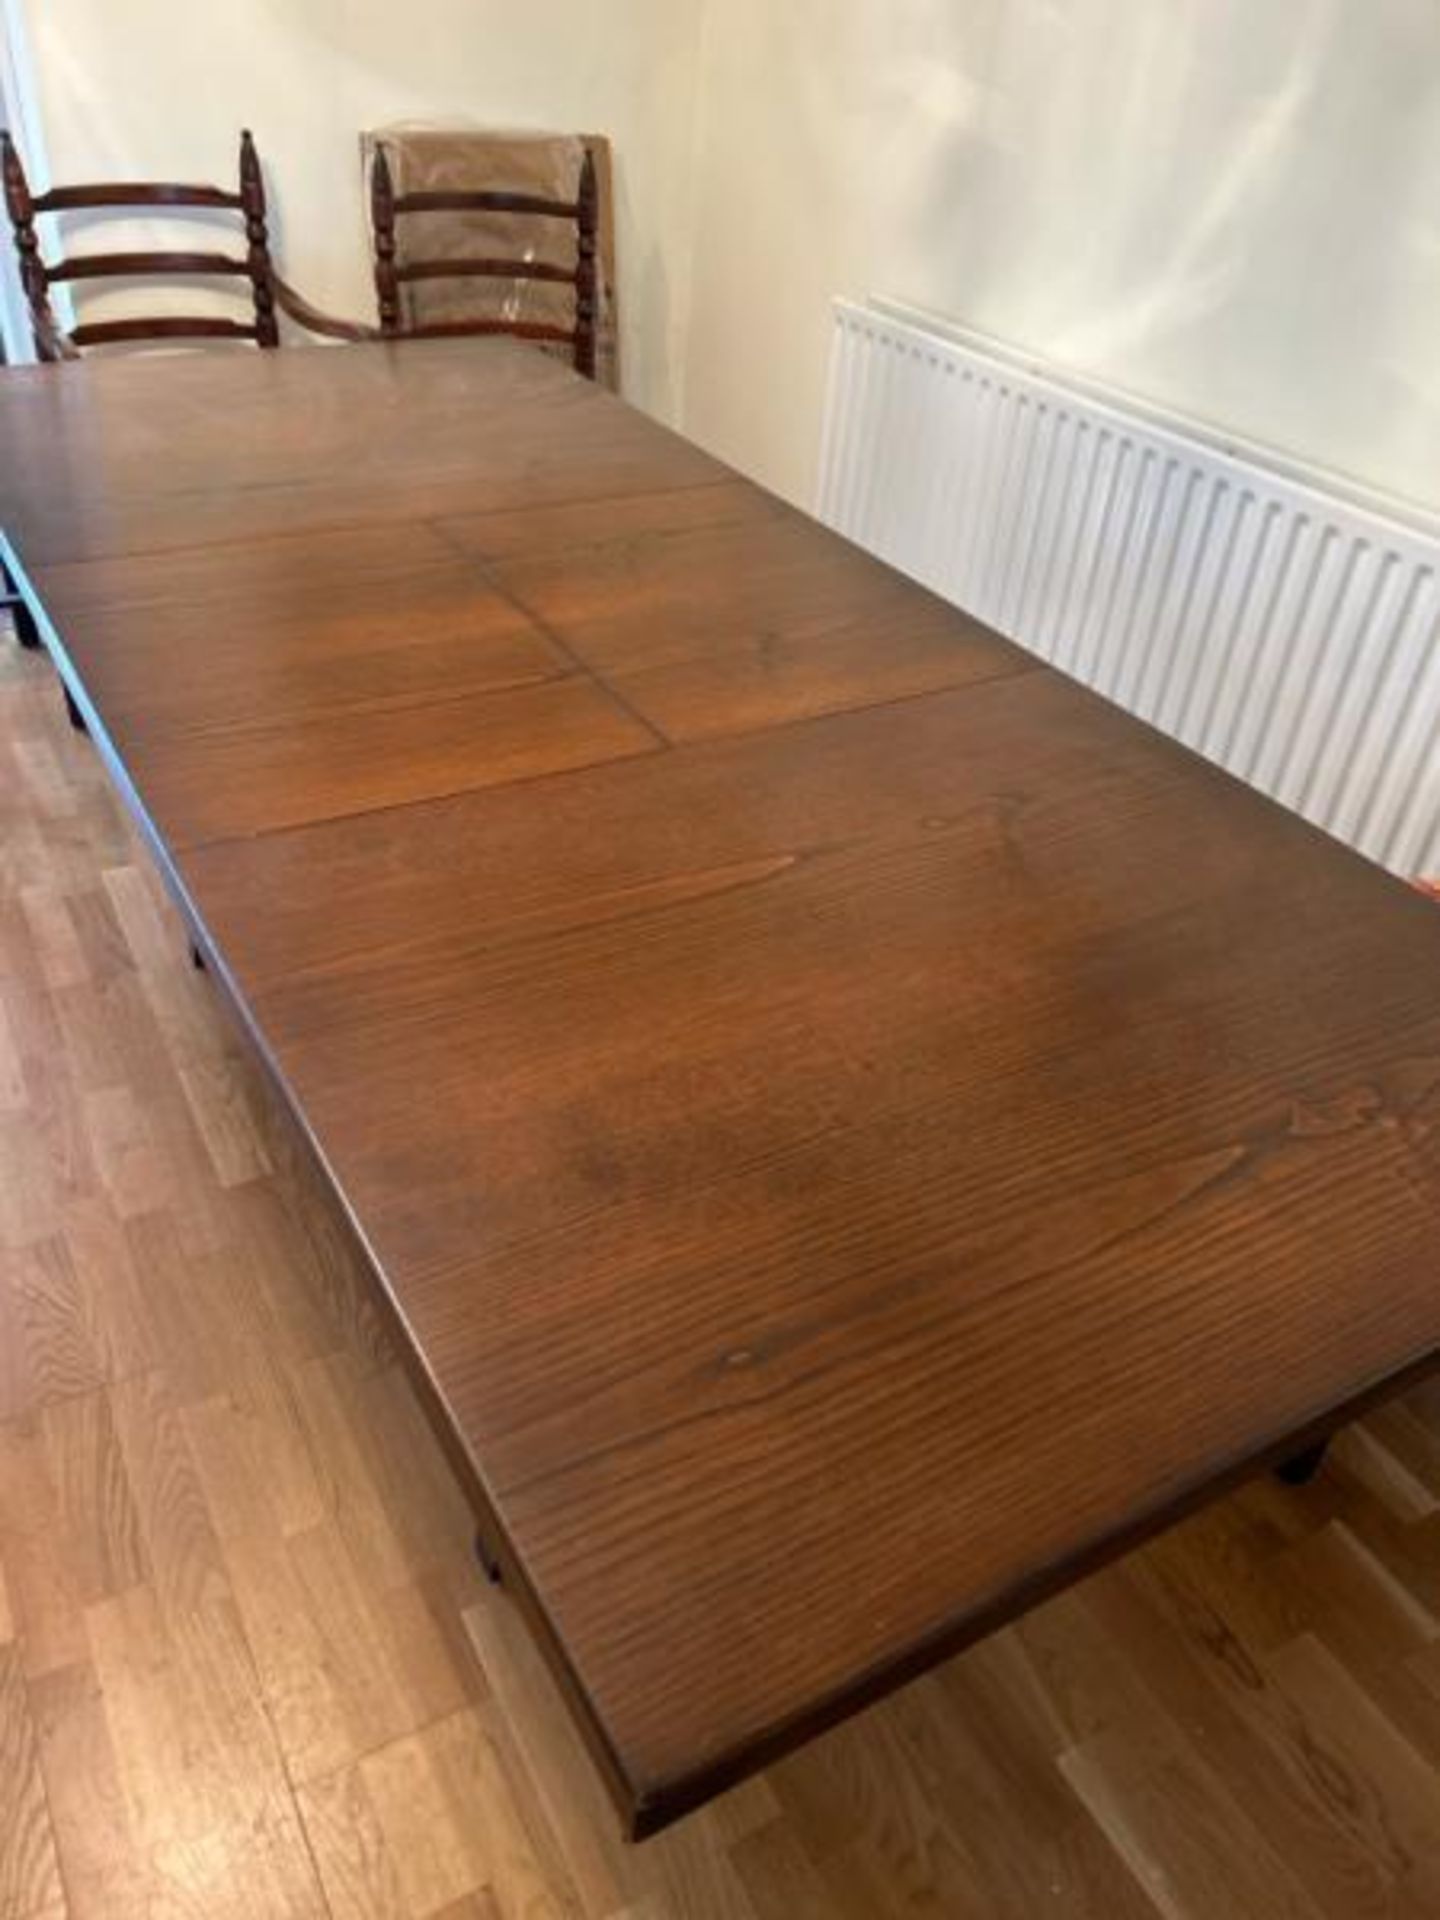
<point>340,674</point>
<point>13,602</point>
<point>386,206</point>
<point>20,207</point>
<point>482,269</point>
<point>475,199</point>
<point>309,459</point>
<point>97,333</point>
<point>257,243</point>
<point>133,193</point>
<point>382,230</point>
<point>38,275</point>
<point>481,329</point>
<point>587,231</point>
<point>489,1560</point>
<point>730,626</point>
<point>1194,1731</point>
<point>120,266</point>
<point>838,1177</point>
<point>1301,1468</point>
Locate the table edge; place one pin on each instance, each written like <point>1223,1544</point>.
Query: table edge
<point>646,1806</point>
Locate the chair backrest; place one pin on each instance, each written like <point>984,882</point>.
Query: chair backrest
<point>38,275</point>
<point>386,206</point>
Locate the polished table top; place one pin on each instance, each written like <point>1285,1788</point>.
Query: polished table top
<point>854,1129</point>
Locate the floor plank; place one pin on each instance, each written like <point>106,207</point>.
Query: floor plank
<point>29,1868</point>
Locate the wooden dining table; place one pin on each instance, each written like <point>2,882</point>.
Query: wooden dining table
<point>851,1129</point>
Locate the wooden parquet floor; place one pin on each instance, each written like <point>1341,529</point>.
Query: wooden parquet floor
<point>247,1667</point>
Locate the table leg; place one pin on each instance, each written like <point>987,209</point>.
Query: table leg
<point>1302,1468</point>
<point>26,632</point>
<point>485,1554</point>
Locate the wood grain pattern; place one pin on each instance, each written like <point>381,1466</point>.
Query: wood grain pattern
<point>723,629</point>
<point>1276,1654</point>
<point>733,1151</point>
<point>380,439</point>
<point>29,1870</point>
<point>853,1131</point>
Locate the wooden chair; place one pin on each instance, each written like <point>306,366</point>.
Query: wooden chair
<point>39,275</point>
<point>386,206</point>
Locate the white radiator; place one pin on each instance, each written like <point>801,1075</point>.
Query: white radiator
<point>1275,620</point>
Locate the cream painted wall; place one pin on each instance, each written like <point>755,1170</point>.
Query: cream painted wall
<point>161,88</point>
<point>1230,206</point>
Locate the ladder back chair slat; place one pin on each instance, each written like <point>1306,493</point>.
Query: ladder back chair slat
<point>38,275</point>
<point>387,207</point>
